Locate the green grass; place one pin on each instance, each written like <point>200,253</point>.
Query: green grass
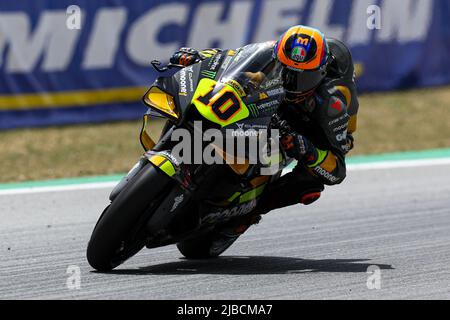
<point>387,122</point>
<point>404,121</point>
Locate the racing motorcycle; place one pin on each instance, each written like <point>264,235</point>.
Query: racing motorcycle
<point>164,200</point>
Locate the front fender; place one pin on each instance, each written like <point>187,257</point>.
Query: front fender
<point>121,185</point>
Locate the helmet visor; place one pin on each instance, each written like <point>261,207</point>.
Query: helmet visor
<point>302,81</point>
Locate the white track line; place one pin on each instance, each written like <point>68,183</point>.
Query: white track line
<point>398,164</point>
<point>70,187</point>
<point>352,167</point>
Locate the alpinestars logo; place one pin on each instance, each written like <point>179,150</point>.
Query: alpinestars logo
<point>177,202</point>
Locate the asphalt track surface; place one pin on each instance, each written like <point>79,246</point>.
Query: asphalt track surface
<point>395,219</point>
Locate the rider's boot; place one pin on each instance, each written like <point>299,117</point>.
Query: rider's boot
<point>229,233</point>
<point>291,189</point>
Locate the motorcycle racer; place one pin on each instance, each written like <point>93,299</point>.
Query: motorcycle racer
<point>316,120</point>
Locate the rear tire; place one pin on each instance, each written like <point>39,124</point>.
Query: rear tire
<point>110,243</point>
<point>207,246</point>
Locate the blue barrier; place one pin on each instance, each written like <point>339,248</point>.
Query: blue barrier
<point>56,73</point>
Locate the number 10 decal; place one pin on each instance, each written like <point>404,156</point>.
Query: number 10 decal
<point>224,104</point>
<point>223,107</point>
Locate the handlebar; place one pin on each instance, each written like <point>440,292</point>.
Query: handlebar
<point>156,65</point>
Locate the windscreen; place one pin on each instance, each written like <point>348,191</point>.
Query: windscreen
<point>253,70</point>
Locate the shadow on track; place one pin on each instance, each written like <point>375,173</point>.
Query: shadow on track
<point>248,265</point>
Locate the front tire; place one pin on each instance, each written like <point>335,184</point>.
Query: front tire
<point>118,234</point>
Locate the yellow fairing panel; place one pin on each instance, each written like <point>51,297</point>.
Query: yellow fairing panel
<point>146,141</point>
<point>161,101</point>
<point>151,131</point>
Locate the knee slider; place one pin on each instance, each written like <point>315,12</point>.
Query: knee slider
<point>310,197</point>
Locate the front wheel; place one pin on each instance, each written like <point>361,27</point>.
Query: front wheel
<point>118,234</point>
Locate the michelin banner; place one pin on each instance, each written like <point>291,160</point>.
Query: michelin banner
<point>76,61</point>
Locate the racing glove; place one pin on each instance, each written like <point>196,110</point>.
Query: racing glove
<point>188,56</point>
<point>300,148</point>
<point>185,57</point>
<point>295,145</point>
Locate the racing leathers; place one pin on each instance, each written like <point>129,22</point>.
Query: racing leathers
<point>317,129</point>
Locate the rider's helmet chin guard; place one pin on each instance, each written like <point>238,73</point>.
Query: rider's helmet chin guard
<point>304,55</point>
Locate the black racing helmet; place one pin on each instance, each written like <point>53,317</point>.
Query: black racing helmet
<point>304,54</point>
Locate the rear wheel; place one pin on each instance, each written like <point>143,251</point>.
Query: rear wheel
<point>215,242</point>
<point>119,233</point>
<point>207,246</point>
